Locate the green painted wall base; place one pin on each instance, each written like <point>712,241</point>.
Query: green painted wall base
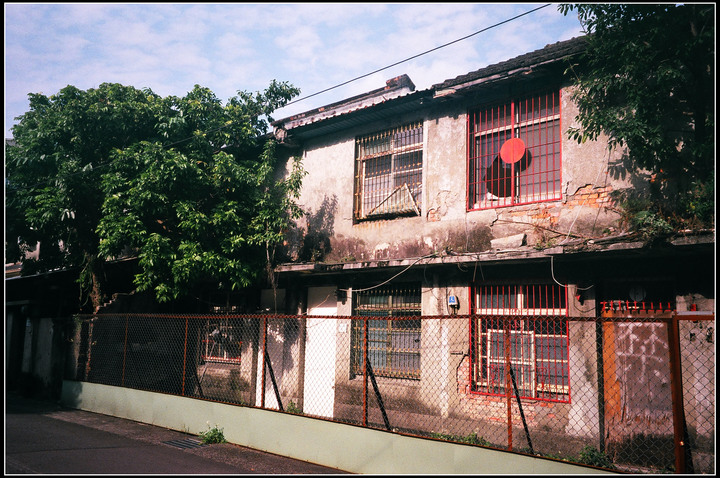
<point>345,447</point>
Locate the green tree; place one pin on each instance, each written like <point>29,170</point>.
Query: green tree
<point>177,182</point>
<point>647,82</point>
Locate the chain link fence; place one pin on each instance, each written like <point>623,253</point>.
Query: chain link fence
<point>636,395</point>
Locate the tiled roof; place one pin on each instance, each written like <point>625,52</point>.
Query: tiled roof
<point>552,52</point>
<point>394,87</point>
<point>399,95</point>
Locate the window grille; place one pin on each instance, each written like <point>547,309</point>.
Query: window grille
<point>538,344</point>
<point>536,174</point>
<point>221,342</point>
<point>389,172</point>
<point>393,344</point>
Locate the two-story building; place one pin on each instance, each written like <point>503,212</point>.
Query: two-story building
<point>450,235</point>
<point>469,198</point>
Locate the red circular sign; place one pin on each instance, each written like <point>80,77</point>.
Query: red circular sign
<point>512,151</point>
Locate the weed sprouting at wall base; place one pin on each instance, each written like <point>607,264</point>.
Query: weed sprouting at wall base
<point>212,435</point>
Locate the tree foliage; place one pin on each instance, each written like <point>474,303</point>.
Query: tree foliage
<point>187,185</point>
<point>647,82</point>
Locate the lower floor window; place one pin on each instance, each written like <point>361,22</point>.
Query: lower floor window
<point>392,340</point>
<point>221,342</point>
<point>523,327</point>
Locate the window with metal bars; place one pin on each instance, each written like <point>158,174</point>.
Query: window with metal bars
<point>388,167</point>
<point>393,344</point>
<point>221,342</point>
<point>514,152</point>
<point>522,325</point>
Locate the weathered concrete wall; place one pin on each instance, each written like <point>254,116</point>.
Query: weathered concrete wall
<point>583,413</point>
<point>445,168</point>
<point>285,345</point>
<point>329,233</point>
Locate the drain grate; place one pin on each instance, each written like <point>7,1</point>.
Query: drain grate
<point>186,443</point>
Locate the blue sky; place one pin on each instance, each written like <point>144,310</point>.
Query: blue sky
<point>244,46</point>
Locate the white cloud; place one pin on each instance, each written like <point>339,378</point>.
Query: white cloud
<point>231,47</point>
<point>303,44</point>
<point>234,46</point>
<point>84,15</point>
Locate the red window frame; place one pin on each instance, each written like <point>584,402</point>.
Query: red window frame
<point>220,342</point>
<point>534,316</point>
<point>537,176</point>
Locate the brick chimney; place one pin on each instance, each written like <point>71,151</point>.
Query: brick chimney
<point>402,81</point>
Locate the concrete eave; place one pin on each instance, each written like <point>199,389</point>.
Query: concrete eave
<point>444,259</point>
<point>623,243</point>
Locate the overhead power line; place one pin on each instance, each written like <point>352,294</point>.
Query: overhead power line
<point>396,63</point>
<point>336,86</point>
<point>418,55</point>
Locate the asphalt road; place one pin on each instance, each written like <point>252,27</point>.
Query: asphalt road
<point>42,437</point>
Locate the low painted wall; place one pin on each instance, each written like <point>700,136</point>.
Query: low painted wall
<point>373,451</point>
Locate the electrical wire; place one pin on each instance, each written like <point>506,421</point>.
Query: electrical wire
<point>420,54</point>
<point>552,273</point>
<point>393,277</point>
<point>395,64</point>
<point>332,87</point>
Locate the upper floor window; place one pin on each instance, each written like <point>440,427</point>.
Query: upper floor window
<point>388,172</point>
<point>514,152</point>
<point>393,334</point>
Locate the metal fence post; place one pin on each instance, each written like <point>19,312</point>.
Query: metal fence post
<point>365,371</point>
<point>91,324</point>
<point>185,347</point>
<point>599,344</point>
<point>508,383</point>
<point>522,414</point>
<point>272,380</point>
<point>676,386</point>
<point>264,354</point>
<point>122,382</point>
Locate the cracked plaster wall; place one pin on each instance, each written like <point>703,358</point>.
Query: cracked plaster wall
<point>586,209</point>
